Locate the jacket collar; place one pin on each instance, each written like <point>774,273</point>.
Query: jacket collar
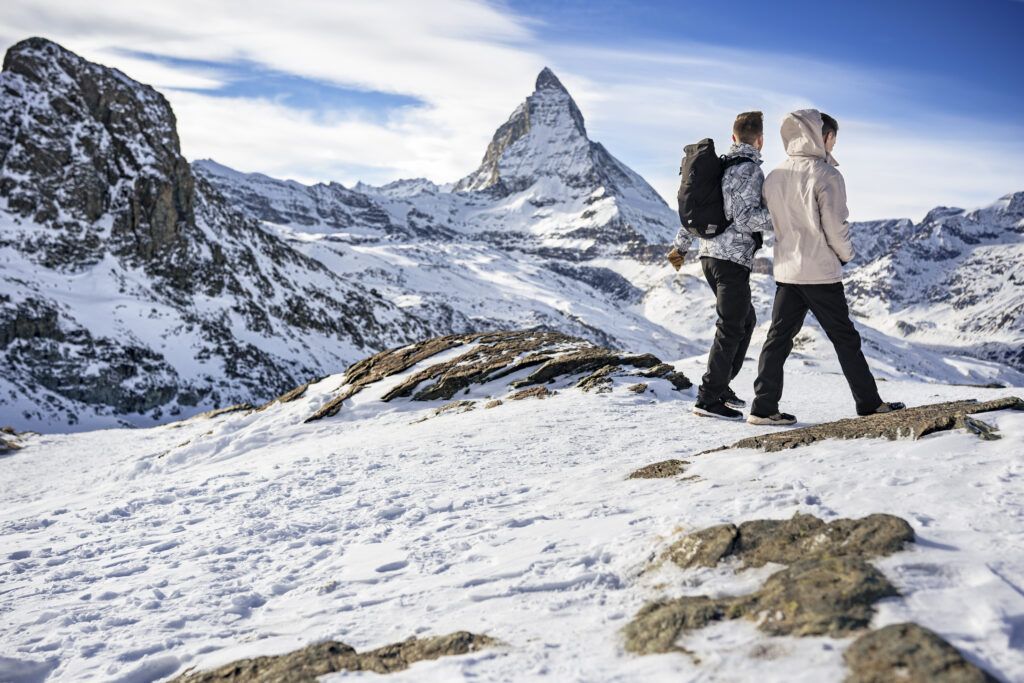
<point>743,149</point>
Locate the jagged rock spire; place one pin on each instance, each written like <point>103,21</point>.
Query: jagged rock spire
<point>550,107</point>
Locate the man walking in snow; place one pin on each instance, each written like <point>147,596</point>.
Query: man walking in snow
<point>726,260</point>
<point>806,196</point>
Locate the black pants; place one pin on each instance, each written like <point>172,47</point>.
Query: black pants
<point>736,320</point>
<point>828,304</point>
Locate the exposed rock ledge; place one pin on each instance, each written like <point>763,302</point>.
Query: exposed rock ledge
<point>492,356</point>
<point>319,659</point>
<point>912,423</point>
<point>911,654</point>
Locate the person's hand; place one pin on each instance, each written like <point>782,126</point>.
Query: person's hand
<point>676,258</point>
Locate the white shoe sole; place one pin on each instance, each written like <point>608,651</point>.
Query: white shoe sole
<point>766,422</point>
<point>736,406</point>
<point>704,413</point>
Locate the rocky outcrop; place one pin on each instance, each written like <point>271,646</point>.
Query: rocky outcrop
<point>827,589</point>
<point>912,423</point>
<point>660,470</point>
<point>490,357</point>
<point>911,654</point>
<point>820,596</point>
<point>309,663</point>
<point>83,141</point>
<point>785,541</point>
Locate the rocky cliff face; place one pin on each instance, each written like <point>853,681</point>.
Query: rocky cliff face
<point>130,287</point>
<point>80,142</point>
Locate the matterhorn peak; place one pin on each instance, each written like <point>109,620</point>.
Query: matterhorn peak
<point>545,133</point>
<point>547,79</point>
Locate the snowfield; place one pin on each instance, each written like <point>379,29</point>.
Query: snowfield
<point>132,555</point>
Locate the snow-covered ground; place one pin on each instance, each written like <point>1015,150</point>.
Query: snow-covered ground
<point>129,555</point>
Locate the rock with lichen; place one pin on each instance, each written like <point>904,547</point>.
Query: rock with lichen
<point>309,663</point>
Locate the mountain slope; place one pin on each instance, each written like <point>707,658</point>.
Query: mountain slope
<point>130,288</point>
<point>953,283</point>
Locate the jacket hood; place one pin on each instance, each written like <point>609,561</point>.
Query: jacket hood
<point>801,135</point>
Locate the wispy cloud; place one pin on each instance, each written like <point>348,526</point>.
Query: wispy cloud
<point>899,159</point>
<point>439,77</point>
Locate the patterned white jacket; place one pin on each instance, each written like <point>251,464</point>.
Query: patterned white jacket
<point>741,190</point>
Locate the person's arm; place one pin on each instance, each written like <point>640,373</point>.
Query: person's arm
<point>680,245</point>
<point>834,215</point>
<point>742,192</point>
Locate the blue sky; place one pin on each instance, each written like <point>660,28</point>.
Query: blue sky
<point>972,46</point>
<point>928,94</point>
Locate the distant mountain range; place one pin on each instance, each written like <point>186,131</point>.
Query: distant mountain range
<point>135,286</point>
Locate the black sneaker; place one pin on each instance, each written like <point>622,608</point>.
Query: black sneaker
<point>716,409</point>
<point>885,408</point>
<point>776,420</point>
<point>730,399</point>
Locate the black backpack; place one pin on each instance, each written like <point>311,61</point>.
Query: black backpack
<point>701,207</point>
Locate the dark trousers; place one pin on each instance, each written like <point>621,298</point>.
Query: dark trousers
<point>736,320</point>
<point>828,304</point>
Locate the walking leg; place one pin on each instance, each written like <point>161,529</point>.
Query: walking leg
<point>828,304</point>
<point>788,314</point>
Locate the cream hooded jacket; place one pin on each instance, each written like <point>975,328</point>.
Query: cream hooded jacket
<point>806,196</point>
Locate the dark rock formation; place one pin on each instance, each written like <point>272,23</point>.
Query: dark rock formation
<point>457,406</point>
<point>307,664</point>
<point>532,392</point>
<point>912,423</point>
<point>600,380</point>
<point>911,654</point>
<point>289,396</point>
<point>490,356</point>
<point>660,470</point>
<point>758,542</point>
<point>827,589</point>
<point>90,142</point>
<point>820,596</point>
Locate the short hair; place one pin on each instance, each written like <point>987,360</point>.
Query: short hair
<point>748,126</point>
<point>828,125</point>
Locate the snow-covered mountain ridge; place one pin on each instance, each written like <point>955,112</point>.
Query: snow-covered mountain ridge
<point>136,286</point>
<point>130,288</point>
<point>953,282</point>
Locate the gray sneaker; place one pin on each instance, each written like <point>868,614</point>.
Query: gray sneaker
<point>776,420</point>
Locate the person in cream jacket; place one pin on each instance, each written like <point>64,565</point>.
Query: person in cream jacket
<point>806,196</point>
